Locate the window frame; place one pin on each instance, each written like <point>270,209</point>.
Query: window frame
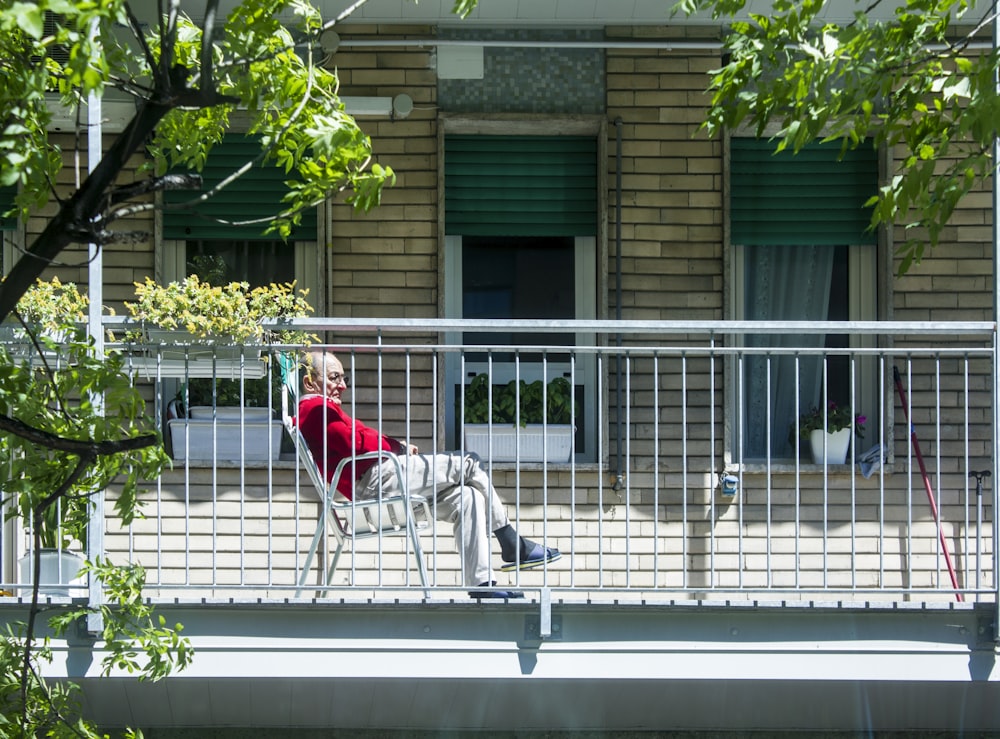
<point>869,299</point>
<point>592,292</point>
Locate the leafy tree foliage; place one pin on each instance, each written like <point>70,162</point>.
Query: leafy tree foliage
<point>923,83</point>
<point>188,82</point>
<point>70,429</point>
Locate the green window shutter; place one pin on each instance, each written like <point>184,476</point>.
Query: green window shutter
<point>814,197</point>
<point>520,185</point>
<point>7,195</point>
<point>254,195</point>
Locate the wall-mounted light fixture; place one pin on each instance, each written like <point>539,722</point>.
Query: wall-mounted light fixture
<point>379,107</point>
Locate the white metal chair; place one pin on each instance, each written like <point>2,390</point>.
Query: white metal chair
<point>401,514</point>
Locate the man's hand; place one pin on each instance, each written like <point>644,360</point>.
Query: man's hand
<point>412,449</point>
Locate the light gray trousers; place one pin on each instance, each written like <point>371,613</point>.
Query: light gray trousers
<point>458,490</point>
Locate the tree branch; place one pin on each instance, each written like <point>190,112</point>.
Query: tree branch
<point>74,446</point>
<point>154,184</point>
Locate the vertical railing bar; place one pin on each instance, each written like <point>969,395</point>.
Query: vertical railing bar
<point>243,469</point>
<point>909,477</point>
<point>572,470</point>
<point>656,460</point>
<point>797,364</point>
<point>187,479</point>
<point>297,493</point>
<point>600,456</point>
<point>937,466</point>
<point>354,502</point>
<point>994,431</point>
<point>407,415</point>
<point>517,440</point>
<point>268,379</point>
<point>740,379</point>
<point>628,466</point>
<point>768,431</point>
<point>826,472</point>
<point>967,514</point>
<point>600,514</point>
<point>463,370</point>
<point>545,456</point>
<point>380,413</point>
<point>716,474</point>
<point>852,454</point>
<point>517,448</point>
<point>215,479</point>
<point>435,431</point>
<point>883,445</point>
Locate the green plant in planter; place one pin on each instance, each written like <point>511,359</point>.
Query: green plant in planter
<point>556,399</point>
<point>234,310</point>
<point>53,305</point>
<point>51,310</point>
<point>254,393</point>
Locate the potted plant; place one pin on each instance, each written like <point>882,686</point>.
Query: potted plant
<point>61,533</point>
<point>829,433</point>
<point>195,320</point>
<point>219,320</point>
<point>51,310</point>
<point>531,422</point>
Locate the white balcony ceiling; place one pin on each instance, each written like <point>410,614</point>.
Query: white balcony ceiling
<point>561,13</point>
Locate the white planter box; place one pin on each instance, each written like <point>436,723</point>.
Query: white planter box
<point>230,413</point>
<point>58,570</point>
<point>522,444</point>
<point>226,440</point>
<point>181,344</point>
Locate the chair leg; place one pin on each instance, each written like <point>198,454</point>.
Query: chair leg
<point>418,552</point>
<point>333,564</point>
<point>317,537</point>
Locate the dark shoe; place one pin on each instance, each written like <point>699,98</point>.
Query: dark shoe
<point>538,556</point>
<point>496,594</point>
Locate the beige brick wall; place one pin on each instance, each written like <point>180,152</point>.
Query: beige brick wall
<point>124,263</point>
<point>385,264</point>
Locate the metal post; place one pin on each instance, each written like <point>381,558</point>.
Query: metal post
<point>996,348</point>
<point>95,277</point>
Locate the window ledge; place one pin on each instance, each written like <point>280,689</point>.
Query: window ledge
<point>788,467</point>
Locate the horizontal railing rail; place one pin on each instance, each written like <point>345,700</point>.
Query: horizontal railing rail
<point>681,468</point>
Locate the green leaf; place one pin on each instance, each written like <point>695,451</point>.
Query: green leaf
<point>29,18</point>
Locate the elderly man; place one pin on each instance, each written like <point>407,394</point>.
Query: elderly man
<point>462,489</point>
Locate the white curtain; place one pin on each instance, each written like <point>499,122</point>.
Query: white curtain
<point>782,283</point>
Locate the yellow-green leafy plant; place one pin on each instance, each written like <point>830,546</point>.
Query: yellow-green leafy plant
<point>53,305</point>
<point>234,310</point>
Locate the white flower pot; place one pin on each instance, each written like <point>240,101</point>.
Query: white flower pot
<point>225,439</point>
<point>834,451</point>
<point>525,444</point>
<point>58,570</point>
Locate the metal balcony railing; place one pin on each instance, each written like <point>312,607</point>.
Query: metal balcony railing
<point>680,470</point>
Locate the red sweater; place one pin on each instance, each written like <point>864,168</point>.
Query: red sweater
<point>320,419</point>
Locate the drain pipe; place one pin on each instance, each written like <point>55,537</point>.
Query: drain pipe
<point>620,474</point>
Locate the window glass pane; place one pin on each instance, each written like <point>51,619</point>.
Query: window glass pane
<point>256,262</point>
<point>792,283</point>
<point>517,277</point>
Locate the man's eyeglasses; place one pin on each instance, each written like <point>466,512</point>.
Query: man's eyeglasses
<point>338,377</point>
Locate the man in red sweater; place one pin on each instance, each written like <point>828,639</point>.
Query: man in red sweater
<point>462,489</point>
